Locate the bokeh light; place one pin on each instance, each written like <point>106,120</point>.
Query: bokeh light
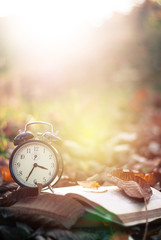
<point>85,66</point>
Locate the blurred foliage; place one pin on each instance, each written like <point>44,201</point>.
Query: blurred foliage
<point>105,104</point>
<point>113,88</point>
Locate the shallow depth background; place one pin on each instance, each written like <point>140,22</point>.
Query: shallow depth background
<point>91,68</point>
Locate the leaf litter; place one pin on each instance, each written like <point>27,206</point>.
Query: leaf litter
<point>145,157</point>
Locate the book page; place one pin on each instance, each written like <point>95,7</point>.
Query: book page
<point>113,199</point>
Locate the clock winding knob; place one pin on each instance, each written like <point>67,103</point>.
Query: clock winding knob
<point>53,138</point>
<point>22,137</point>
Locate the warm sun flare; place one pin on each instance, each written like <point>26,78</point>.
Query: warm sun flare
<point>65,17</point>
<point>57,28</point>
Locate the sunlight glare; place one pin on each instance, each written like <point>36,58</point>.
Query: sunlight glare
<point>64,16</point>
<point>57,27</point>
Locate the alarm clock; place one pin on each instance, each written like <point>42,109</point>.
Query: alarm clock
<point>35,160</point>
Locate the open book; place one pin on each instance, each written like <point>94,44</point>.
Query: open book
<point>111,199</point>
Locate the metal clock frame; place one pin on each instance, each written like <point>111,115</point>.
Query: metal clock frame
<point>59,161</point>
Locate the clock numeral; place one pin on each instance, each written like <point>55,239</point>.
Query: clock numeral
<point>49,173</point>
<point>20,173</point>
<point>18,164</point>
<point>28,150</point>
<point>44,150</point>
<point>44,180</point>
<point>52,164</point>
<point>22,156</point>
<point>50,156</point>
<point>36,148</point>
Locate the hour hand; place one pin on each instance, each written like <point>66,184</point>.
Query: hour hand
<point>42,167</point>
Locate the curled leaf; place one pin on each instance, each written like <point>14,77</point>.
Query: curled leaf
<point>133,186</point>
<point>151,178</point>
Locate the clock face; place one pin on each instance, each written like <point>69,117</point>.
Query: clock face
<point>34,162</point>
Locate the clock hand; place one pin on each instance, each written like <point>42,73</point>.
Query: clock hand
<point>42,167</point>
<point>34,165</point>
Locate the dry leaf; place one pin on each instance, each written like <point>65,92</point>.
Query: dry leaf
<point>119,236</point>
<point>12,197</point>
<point>133,186</point>
<point>6,174</point>
<point>99,190</point>
<point>61,209</point>
<point>89,184</point>
<point>150,178</point>
<point>8,187</point>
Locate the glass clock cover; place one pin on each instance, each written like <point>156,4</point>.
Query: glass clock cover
<point>34,162</point>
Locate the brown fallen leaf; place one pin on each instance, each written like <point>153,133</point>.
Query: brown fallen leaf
<point>10,198</point>
<point>119,236</point>
<point>136,188</point>
<point>95,190</point>
<point>5,172</point>
<point>151,178</point>
<point>133,186</point>
<point>8,187</point>
<point>64,210</point>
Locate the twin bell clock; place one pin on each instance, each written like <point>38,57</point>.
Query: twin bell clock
<point>35,160</point>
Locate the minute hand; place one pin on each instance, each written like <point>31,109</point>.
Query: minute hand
<point>30,173</point>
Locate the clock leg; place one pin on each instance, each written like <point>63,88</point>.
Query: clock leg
<point>51,189</point>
